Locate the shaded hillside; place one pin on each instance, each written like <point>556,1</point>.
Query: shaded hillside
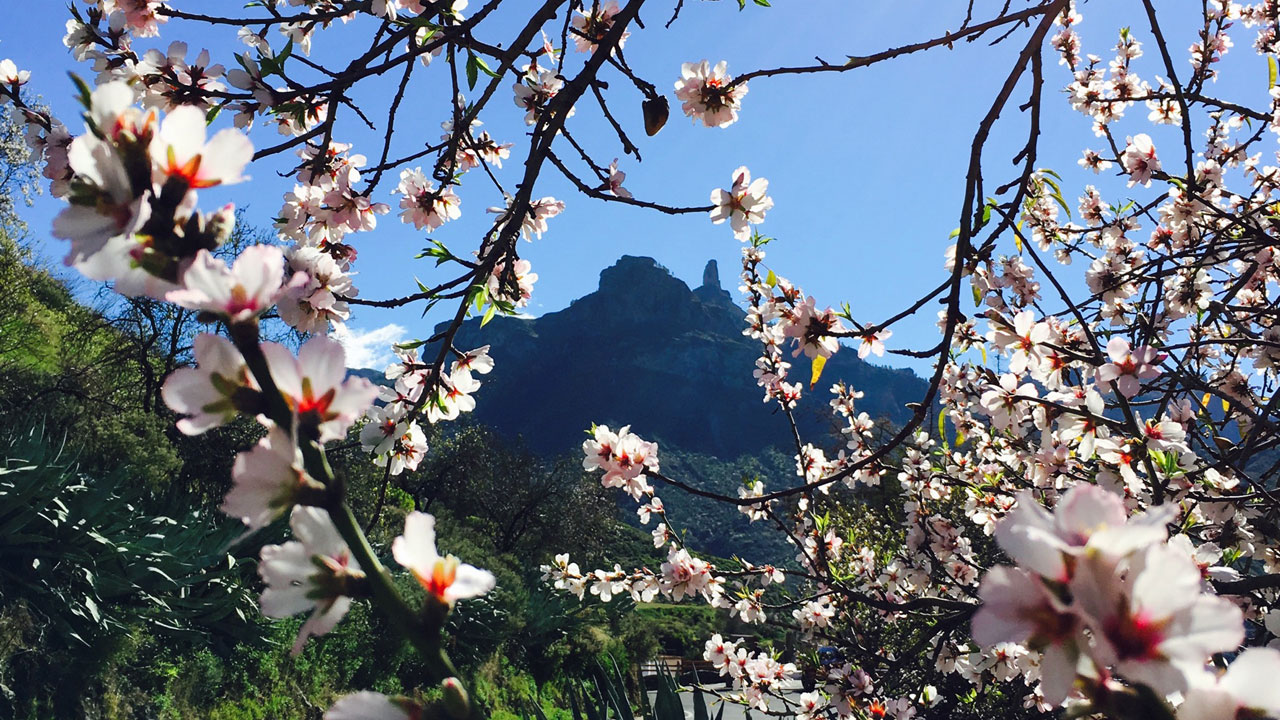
<point>645,350</point>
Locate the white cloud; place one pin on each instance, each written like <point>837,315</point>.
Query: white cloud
<point>369,348</point>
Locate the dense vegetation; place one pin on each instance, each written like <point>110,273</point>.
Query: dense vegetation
<point>96,494</point>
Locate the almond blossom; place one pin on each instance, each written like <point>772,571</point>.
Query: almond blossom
<point>10,74</point>
<point>315,300</point>
<point>705,93</point>
<point>1018,607</point>
<point>593,25</point>
<point>243,291</point>
<point>500,287</point>
<point>1155,627</point>
<point>616,178</point>
<point>623,456</point>
<point>1247,689</point>
<point>743,204</point>
<point>315,384</point>
<point>181,151</point>
<point>1139,160</point>
<point>215,391</point>
<point>422,205</point>
<point>814,329</point>
<point>445,578</point>
<point>1128,368</point>
<point>307,573</point>
<point>268,480</point>
<point>872,343</point>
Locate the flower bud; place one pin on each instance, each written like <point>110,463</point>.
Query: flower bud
<point>656,110</point>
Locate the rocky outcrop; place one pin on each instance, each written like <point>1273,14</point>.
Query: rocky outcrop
<point>647,350</point>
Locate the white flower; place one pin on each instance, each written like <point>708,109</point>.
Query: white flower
<point>1017,607</point>
<point>1247,689</point>
<point>616,178</point>
<point>743,205</point>
<point>301,574</point>
<point>266,481</point>
<point>209,391</point>
<point>444,578</point>
<point>1139,160</point>
<point>11,75</point>
<point>311,303</point>
<point>423,205</point>
<point>243,291</point>
<point>1088,521</point>
<point>180,151</point>
<point>1150,620</point>
<point>704,93</point>
<point>317,388</point>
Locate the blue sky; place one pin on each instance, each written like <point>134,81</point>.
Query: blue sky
<point>866,168</point>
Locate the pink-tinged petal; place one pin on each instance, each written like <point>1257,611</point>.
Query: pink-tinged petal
<point>1165,580</point>
<point>1026,534</point>
<point>1253,678</point>
<point>470,582</point>
<point>1213,624</point>
<point>1141,530</point>
<point>1117,349</point>
<point>260,269</point>
<point>86,228</point>
<point>188,391</point>
<point>1007,595</point>
<point>1084,510</point>
<point>265,480</point>
<point>1058,673</point>
<point>323,362</point>
<point>284,369</point>
<point>315,530</point>
<point>226,156</point>
<point>108,102</point>
<point>285,569</point>
<point>325,618</point>
<point>206,284</point>
<point>181,138</point>
<point>416,548</point>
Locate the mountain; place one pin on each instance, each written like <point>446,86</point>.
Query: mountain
<point>645,350</point>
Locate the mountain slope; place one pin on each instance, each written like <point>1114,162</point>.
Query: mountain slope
<point>645,350</point>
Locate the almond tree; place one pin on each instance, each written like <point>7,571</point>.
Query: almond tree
<point>1097,526</point>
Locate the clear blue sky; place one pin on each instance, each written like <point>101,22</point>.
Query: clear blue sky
<point>866,168</point>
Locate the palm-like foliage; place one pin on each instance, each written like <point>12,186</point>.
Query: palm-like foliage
<point>84,557</point>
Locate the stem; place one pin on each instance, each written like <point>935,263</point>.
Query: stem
<point>423,635</point>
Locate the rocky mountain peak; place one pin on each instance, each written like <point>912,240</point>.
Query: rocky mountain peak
<point>711,275</point>
<point>644,349</point>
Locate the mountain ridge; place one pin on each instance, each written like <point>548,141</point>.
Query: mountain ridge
<point>646,350</point>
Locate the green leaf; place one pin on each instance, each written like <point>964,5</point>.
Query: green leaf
<point>473,70</point>
<point>488,315</point>
<point>771,280</point>
<point>1271,71</point>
